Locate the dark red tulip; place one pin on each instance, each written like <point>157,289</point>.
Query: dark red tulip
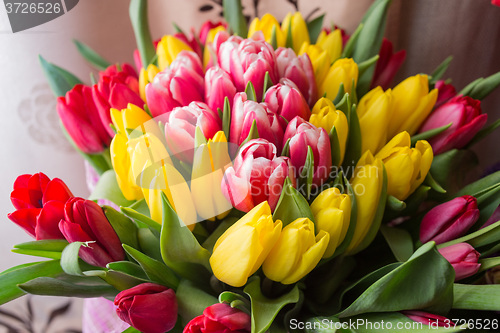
<point>220,318</point>
<point>427,318</point>
<point>387,65</point>
<point>463,257</point>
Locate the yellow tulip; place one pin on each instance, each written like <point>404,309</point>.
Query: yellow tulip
<point>266,25</point>
<point>367,184</point>
<point>298,27</point>
<point>332,213</point>
<point>320,61</point>
<point>209,163</point>
<point>342,71</point>
<point>209,51</point>
<point>406,167</point>
<point>133,118</point>
<point>296,253</point>
<point>241,250</point>
<point>331,43</point>
<point>146,76</point>
<point>374,113</point>
<point>411,104</point>
<point>168,49</point>
<point>325,115</point>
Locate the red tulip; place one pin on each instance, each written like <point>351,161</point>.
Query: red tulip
<point>206,27</point>
<point>177,85</point>
<point>465,115</point>
<point>449,220</point>
<point>191,41</point>
<point>495,2</point>
<point>299,70</point>
<point>39,204</point>
<point>427,318</point>
<point>248,61</point>
<point>445,93</point>
<point>115,89</point>
<point>286,100</point>
<point>303,134</point>
<point>84,221</point>
<point>148,307</point>
<point>463,257</point>
<point>218,85</point>
<point>387,65</point>
<point>82,121</point>
<point>257,175</point>
<point>180,128</point>
<point>244,113</point>
<point>220,318</point>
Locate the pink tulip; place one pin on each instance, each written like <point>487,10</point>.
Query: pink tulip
<point>387,65</point>
<point>427,318</point>
<point>220,37</point>
<point>84,221</point>
<point>463,257</point>
<point>218,85</point>
<point>115,89</point>
<point>286,100</point>
<point>206,27</point>
<point>257,175</point>
<point>220,318</point>
<point>299,70</point>
<point>81,120</point>
<point>180,127</point>
<point>244,113</point>
<point>465,115</point>
<point>248,61</point>
<point>302,135</point>
<point>449,220</point>
<point>178,85</point>
<point>445,93</point>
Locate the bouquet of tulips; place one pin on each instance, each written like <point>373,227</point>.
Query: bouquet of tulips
<point>266,177</point>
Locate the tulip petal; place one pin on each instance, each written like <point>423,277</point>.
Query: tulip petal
<point>47,222</point>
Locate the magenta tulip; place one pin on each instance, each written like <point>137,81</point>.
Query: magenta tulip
<point>302,135</point>
<point>178,85</point>
<point>299,70</point>
<point>244,113</point>
<point>463,257</point>
<point>220,318</point>
<point>248,61</point>
<point>427,318</point>
<point>445,93</point>
<point>84,221</point>
<point>218,86</point>
<point>465,115</point>
<point>82,121</point>
<point>449,220</point>
<point>257,175</point>
<point>148,307</point>
<point>387,65</point>
<point>286,100</point>
<point>180,128</point>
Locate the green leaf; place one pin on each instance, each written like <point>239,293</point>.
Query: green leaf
<point>488,263</point>
<point>286,148</point>
<point>70,261</point>
<point>335,146</point>
<point>91,56</point>
<point>268,83</point>
<point>119,280</point>
<point>128,268</point>
<point>138,12</point>
<point>399,241</point>
<point>395,204</point>
<point>345,105</point>
<point>353,145</point>
<point>439,71</point>
<point>449,169</point>
<point>199,137</point>
<point>131,330</point>
<point>289,37</point>
<point>429,134</point>
<point>314,27</point>
<point>250,91</point>
<point>233,14</point>
<point>149,243</point>
<point>340,94</point>
<point>209,243</point>
<point>484,133</point>
<point>141,218</point>
<point>107,188</point>
<point>85,288</point>
<point>307,173</point>
<point>482,87</point>
<point>51,248</point>
<point>155,270</point>
<point>192,301</point>
<point>365,65</point>
<point>226,117</point>
<point>264,309</point>
<point>351,42</point>
<point>291,205</point>
<point>273,41</point>
<point>14,276</point>
<point>429,180</point>
<point>60,80</point>
<point>252,134</point>
<point>424,282</point>
<point>123,226</point>
<point>483,237</point>
<point>476,297</point>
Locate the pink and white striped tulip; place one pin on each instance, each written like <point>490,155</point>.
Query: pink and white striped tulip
<point>286,100</point>
<point>464,259</point>
<point>218,85</point>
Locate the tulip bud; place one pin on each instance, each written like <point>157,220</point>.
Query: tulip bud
<point>320,61</point>
<point>449,220</point>
<point>218,86</point>
<point>148,307</point>
<point>445,92</point>
<point>374,113</point>
<point>325,115</point>
<point>342,71</point>
<point>82,121</point>
<point>463,257</point>
<point>295,24</point>
<point>426,318</point>
<point>257,175</point>
<point>387,65</point>
<point>241,250</point>
<point>286,100</point>
<point>406,167</point>
<point>84,221</point>
<point>215,38</point>
<point>220,317</point>
<point>168,49</point>
<point>331,43</point>
<point>146,76</point>
<point>39,204</point>
<point>411,104</point>
<point>302,135</point>
<point>465,115</point>
<point>262,29</point>
<point>332,213</point>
